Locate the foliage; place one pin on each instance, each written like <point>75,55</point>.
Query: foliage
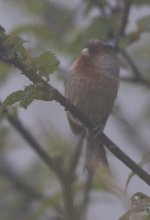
<point>24,97</point>
<point>46,63</point>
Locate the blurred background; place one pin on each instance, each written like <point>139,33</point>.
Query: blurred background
<point>63,27</point>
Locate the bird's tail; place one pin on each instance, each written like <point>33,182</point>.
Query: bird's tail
<point>95,153</point>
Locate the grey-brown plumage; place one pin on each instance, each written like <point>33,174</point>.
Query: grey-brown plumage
<point>92,85</point>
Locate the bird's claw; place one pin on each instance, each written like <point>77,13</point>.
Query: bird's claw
<point>67,105</point>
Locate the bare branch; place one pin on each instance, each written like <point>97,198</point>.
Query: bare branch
<point>123,23</point>
<point>143,82</point>
<point>52,162</point>
<point>125,16</point>
<point>65,180</point>
<point>136,71</point>
<point>30,140</point>
<point>137,78</point>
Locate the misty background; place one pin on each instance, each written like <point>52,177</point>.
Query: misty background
<point>70,24</point>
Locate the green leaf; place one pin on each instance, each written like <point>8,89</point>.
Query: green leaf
<point>46,63</point>
<point>11,99</point>
<point>31,92</point>
<point>27,96</point>
<point>15,44</point>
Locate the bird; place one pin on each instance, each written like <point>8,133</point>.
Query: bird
<point>91,84</point>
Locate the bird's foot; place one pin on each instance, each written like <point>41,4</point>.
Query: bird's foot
<point>67,104</point>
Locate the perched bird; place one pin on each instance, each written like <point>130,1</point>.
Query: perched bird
<point>92,85</point>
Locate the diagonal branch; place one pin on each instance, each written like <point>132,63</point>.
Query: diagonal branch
<point>54,163</point>
<point>54,94</point>
<point>19,184</point>
<point>136,72</point>
<point>137,78</point>
<point>30,140</point>
<point>142,81</point>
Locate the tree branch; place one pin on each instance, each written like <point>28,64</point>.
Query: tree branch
<point>68,197</point>
<point>16,123</point>
<point>18,183</point>
<point>137,78</point>
<point>124,21</point>
<point>53,94</point>
<point>65,180</point>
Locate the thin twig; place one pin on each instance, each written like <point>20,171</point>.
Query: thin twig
<point>131,129</point>
<point>123,23</point>
<point>121,32</point>
<point>30,140</point>
<point>136,71</point>
<point>125,16</point>
<point>143,82</point>
<point>19,184</point>
<point>64,179</point>
<point>137,78</point>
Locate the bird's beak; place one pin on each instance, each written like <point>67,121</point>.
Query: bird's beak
<point>85,52</point>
